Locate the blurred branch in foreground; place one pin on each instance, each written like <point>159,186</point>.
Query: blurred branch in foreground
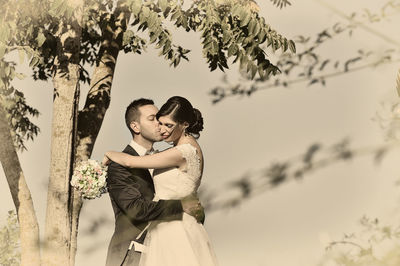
<point>315,157</point>
<point>278,173</point>
<point>311,66</point>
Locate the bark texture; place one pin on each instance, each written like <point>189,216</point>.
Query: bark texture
<point>28,225</point>
<point>57,242</point>
<point>91,117</point>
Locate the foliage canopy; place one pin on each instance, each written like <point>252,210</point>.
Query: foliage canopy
<point>229,29</point>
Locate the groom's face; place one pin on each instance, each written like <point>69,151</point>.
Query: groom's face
<point>148,124</point>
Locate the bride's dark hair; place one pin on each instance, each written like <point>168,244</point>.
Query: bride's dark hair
<point>181,110</point>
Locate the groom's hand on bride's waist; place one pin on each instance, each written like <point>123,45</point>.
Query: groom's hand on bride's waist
<point>191,205</point>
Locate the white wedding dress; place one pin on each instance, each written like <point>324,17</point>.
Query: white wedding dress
<point>184,242</point>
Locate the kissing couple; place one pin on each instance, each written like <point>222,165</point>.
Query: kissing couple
<point>158,217</point>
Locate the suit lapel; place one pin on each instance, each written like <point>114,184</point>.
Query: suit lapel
<point>146,173</point>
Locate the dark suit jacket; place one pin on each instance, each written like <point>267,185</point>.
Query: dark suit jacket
<point>131,192</point>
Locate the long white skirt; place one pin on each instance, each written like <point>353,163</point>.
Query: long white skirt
<point>178,243</point>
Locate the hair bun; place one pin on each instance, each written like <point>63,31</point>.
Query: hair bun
<point>182,111</point>
<point>197,124</point>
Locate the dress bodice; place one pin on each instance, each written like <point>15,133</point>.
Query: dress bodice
<point>175,183</point>
<point>178,242</point>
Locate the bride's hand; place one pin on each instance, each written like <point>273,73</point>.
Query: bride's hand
<point>106,161</point>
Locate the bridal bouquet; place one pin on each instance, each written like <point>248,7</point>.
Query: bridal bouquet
<point>89,178</point>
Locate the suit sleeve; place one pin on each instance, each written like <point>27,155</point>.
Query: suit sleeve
<point>125,189</point>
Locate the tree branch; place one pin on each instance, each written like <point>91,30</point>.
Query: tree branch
<point>29,228</point>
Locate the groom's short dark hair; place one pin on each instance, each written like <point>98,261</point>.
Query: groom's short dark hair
<point>132,112</point>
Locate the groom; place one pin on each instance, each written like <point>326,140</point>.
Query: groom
<point>132,190</point>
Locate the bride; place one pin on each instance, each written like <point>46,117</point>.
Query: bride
<point>177,174</point>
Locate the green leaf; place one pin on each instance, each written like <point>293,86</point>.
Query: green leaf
<point>69,12</point>
<point>292,46</point>
<point>262,37</point>
<point>127,37</point>
<point>163,4</point>
<point>285,45</point>
<point>251,27</point>
<point>271,69</point>
<point>184,22</point>
<point>202,25</point>
<point>257,28</point>
<point>152,20</point>
<point>136,7</point>
<point>54,7</point>
<point>62,9</point>
<point>250,49</point>
<point>166,48</point>
<point>21,54</point>
<point>261,71</point>
<point>34,61</point>
<point>232,50</point>
<point>153,37</point>
<point>175,15</point>
<point>247,41</point>
<point>214,48</point>
<point>176,61</point>
<point>12,73</point>
<point>166,12</point>
<point>2,49</point>
<point>40,39</point>
<point>274,45</point>
<point>2,72</point>
<point>223,62</point>
<point>245,20</point>
<point>20,76</point>
<point>253,71</point>
<point>236,10</point>
<point>162,41</point>
<point>243,60</point>
<point>146,12</point>
<point>249,66</point>
<point>242,13</point>
<point>2,34</point>
<point>28,53</point>
<point>7,70</point>
<point>226,37</point>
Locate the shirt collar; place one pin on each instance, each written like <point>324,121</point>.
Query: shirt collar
<point>138,148</point>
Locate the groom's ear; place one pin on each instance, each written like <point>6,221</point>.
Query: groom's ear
<point>135,127</point>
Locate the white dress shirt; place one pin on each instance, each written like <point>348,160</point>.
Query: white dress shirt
<point>141,151</point>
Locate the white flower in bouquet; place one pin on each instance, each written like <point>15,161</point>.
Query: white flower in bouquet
<point>89,178</point>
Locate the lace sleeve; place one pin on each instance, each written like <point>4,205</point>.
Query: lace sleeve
<point>192,159</point>
<point>187,150</point>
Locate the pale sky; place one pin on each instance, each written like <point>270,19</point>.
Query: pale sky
<point>287,226</point>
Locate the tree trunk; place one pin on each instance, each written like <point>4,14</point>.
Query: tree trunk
<point>28,225</point>
<point>91,117</point>
<point>58,224</point>
<point>66,97</point>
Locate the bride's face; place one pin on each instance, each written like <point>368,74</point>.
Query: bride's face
<point>170,130</point>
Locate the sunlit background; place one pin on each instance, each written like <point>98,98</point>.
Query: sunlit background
<point>289,224</point>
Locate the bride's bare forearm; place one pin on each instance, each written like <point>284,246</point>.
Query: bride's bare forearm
<point>120,158</point>
<point>169,158</point>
